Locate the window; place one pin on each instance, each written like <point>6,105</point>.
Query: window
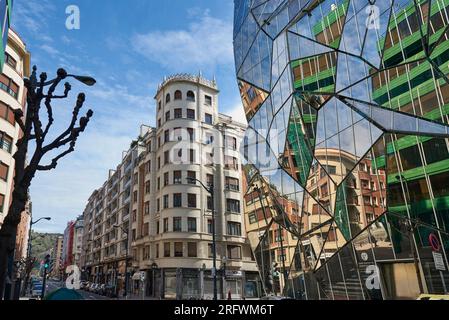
<point>208,118</point>
<point>178,249</point>
<point>147,208</point>
<point>158,227</point>
<point>209,226</point>
<point>167,116</point>
<point>157,250</point>
<point>231,163</point>
<point>158,183</point>
<point>191,176</point>
<point>134,217</point>
<point>177,177</point>
<point>232,184</point>
<point>190,96</point>
<point>209,138</point>
<point>177,200</point>
<point>167,136</point>
<point>166,157</point>
<point>4,171</point>
<point>158,162</point>
<point>5,142</point>
<point>191,114</point>
<point>178,95</point>
<point>159,105</point>
<point>209,203</point>
<point>10,61</point>
<point>147,187</point>
<point>191,133</point>
<point>165,201</point>
<point>252,218</point>
<point>135,196</point>
<point>233,205</point>
<point>210,249</point>
<point>234,252</point>
<point>191,200</point>
<point>167,98</point>
<point>192,249</point>
<point>167,249</point>
<point>165,224</point>
<point>234,229</point>
<point>159,141</point>
<point>177,224</point>
<point>191,224</point>
<point>208,100</point>
<point>165,179</point>
<point>7,113</point>
<point>191,155</point>
<point>178,113</point>
<point>9,86</point>
<point>158,205</point>
<point>146,229</point>
<point>231,143</point>
<point>209,180</point>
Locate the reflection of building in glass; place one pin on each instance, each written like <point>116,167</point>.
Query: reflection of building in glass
<point>347,120</point>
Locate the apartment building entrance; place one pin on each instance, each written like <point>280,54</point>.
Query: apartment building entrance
<point>400,281</point>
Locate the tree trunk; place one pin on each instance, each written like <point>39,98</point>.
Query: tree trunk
<point>8,236</point>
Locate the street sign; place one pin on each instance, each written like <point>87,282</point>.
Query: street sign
<point>439,261</point>
<point>434,242</point>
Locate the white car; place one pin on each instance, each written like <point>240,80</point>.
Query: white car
<point>37,290</point>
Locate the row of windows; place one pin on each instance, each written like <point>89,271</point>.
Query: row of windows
<point>233,252</point>
<point>179,156</point>
<point>233,228</point>
<point>178,114</point>
<point>232,205</point>
<point>190,96</point>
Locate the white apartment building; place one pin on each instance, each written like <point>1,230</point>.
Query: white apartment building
<point>154,198</point>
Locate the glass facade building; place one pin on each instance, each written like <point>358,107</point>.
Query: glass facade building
<point>347,159</point>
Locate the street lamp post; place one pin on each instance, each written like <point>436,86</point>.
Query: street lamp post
<point>125,294</point>
<point>28,259</point>
<point>154,266</point>
<point>210,190</point>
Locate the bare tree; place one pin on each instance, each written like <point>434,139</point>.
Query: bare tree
<point>33,130</point>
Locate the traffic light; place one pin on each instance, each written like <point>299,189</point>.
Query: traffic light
<point>275,270</point>
<point>47,262</point>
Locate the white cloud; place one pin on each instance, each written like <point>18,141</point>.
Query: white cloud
<point>207,42</point>
<point>237,113</point>
<point>32,14</point>
<point>49,49</point>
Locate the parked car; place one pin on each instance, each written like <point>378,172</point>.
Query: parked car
<point>37,290</point>
<point>110,291</point>
<point>101,290</point>
<point>94,287</point>
<point>86,286</point>
<point>272,297</point>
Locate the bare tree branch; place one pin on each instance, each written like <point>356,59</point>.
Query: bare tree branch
<point>57,142</point>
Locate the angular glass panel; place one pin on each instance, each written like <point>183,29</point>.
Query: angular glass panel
<point>253,98</point>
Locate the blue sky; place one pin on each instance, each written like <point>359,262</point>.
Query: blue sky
<point>128,46</point>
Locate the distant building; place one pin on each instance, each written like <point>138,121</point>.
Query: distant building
<point>57,256</point>
<point>77,241</point>
<point>67,246</point>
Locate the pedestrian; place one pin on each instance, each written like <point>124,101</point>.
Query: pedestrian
<point>229,295</point>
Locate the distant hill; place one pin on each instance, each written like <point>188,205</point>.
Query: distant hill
<point>42,244</point>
